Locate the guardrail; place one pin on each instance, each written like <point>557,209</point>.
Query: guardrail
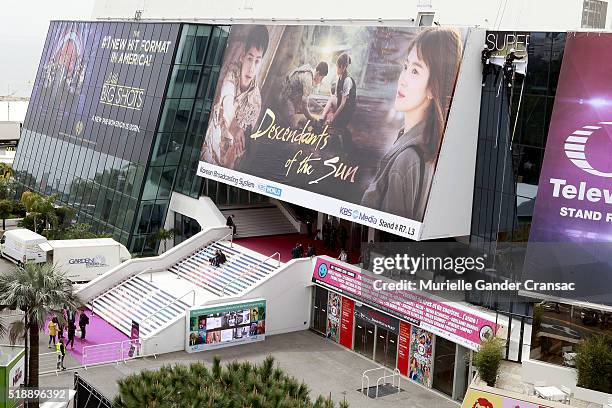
<point>250,270</point>
<point>365,377</point>
<point>120,351</point>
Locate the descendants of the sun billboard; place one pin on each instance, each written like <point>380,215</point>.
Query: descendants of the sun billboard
<point>355,113</point>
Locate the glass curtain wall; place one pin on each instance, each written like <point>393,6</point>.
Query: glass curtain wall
<point>181,129</point>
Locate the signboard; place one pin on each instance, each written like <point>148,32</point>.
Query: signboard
<point>483,399</point>
<point>349,119</point>
<point>452,321</point>
<point>574,200</point>
<point>226,324</point>
<point>16,375</point>
<point>380,319</point>
<point>99,85</point>
<point>403,348</point>
<point>346,322</point>
<point>334,305</point>
<point>421,356</point>
<point>501,42</point>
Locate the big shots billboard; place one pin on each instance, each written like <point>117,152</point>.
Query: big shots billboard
<point>347,119</point>
<point>225,324</point>
<point>99,86</point>
<point>571,234</point>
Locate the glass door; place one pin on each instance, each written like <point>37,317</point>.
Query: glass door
<point>364,337</point>
<point>386,347</point>
<point>319,310</point>
<point>444,365</point>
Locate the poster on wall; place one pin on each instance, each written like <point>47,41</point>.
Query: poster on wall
<point>226,324</point>
<point>346,322</point>
<point>99,85</point>
<point>403,348</point>
<point>354,115</point>
<point>334,310</point>
<point>571,233</point>
<point>421,356</point>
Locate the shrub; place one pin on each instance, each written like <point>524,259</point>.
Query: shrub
<point>594,363</point>
<point>234,385</point>
<point>488,359</point>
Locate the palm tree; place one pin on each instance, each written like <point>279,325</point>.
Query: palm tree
<point>162,235</point>
<point>6,171</point>
<point>38,290</point>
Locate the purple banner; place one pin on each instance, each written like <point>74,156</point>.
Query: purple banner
<point>574,199</point>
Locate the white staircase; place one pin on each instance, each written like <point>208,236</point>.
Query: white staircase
<point>260,221</point>
<point>240,272</point>
<point>139,300</point>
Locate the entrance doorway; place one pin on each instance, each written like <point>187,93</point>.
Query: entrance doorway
<point>319,310</point>
<point>386,347</point>
<point>364,337</point>
<point>444,365</point>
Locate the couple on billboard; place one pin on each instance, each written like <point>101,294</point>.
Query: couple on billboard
<point>399,181</point>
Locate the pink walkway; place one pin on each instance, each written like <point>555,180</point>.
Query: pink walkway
<point>98,331</point>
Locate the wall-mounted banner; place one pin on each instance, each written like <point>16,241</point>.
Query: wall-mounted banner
<point>225,324</point>
<point>450,320</point>
<point>334,309</point>
<point>502,42</point>
<point>420,365</point>
<point>574,200</point>
<point>100,84</point>
<point>347,119</point>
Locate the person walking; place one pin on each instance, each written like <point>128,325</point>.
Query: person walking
<point>60,349</point>
<point>52,326</point>
<point>230,223</point>
<point>83,322</point>
<point>343,255</point>
<point>296,251</point>
<point>311,251</point>
<point>71,333</point>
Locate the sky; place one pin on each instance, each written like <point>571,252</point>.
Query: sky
<point>23,29</point>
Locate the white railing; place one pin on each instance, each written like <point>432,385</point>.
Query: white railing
<point>47,363</point>
<point>250,270</point>
<point>365,379</point>
<point>168,305</point>
<point>120,351</point>
<point>130,268</point>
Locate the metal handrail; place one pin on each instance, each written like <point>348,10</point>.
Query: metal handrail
<point>251,269</point>
<point>169,304</point>
<point>92,302</point>
<point>395,373</point>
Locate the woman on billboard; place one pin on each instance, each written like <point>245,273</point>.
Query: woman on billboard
<point>424,92</point>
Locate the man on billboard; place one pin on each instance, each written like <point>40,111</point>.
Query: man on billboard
<point>238,104</point>
<point>424,91</point>
<point>297,87</point>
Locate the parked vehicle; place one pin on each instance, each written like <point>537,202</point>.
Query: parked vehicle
<point>21,245</point>
<point>85,259</point>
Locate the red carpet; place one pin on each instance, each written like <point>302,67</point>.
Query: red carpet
<point>283,244</point>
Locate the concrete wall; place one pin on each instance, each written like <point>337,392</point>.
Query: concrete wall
<point>541,15</point>
<point>288,298</point>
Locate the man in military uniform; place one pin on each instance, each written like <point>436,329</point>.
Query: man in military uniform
<point>238,105</point>
<point>297,87</point>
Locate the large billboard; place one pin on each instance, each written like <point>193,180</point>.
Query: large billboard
<point>348,119</point>
<point>99,85</point>
<point>226,324</point>
<point>571,233</point>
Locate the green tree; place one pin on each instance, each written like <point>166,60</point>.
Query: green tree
<point>6,209</point>
<point>488,359</point>
<point>161,236</point>
<point>40,209</point>
<point>233,385</point>
<point>8,188</point>
<point>38,290</point>
<point>594,363</point>
<point>6,171</point>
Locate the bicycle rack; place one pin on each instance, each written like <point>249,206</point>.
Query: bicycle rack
<point>365,377</point>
